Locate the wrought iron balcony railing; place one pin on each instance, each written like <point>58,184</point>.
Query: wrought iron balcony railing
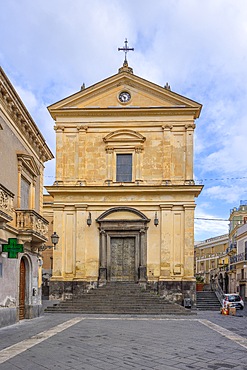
<point>238,258</point>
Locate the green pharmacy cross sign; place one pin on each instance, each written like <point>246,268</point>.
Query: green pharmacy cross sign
<point>12,248</point>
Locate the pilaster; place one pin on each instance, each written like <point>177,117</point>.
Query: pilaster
<point>82,131</point>
<point>167,152</point>
<point>189,241</point>
<point>166,224</point>
<point>189,152</point>
<point>59,153</point>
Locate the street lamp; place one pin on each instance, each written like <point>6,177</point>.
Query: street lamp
<point>54,239</point>
<point>156,220</point>
<point>89,219</point>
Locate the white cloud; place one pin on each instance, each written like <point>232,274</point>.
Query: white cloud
<point>229,194</point>
<point>28,98</point>
<point>207,225</point>
<point>198,47</point>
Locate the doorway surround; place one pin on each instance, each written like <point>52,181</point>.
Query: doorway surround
<point>127,228</point>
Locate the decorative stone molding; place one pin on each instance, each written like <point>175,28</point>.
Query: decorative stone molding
<point>124,141</point>
<point>139,149</point>
<point>122,209</point>
<point>166,182</point>
<point>167,127</point>
<point>109,150</point>
<point>82,128</point>
<point>30,222</point>
<point>123,228</point>
<point>59,128</point>
<point>27,161</point>
<point>21,118</point>
<point>190,126</point>
<point>6,204</point>
<point>124,136</point>
<point>189,182</point>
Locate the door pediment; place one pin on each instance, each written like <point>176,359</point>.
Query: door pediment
<point>123,214</point>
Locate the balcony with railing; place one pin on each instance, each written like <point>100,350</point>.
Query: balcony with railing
<point>31,226</point>
<point>238,258</point>
<point>6,204</point>
<point>211,256</point>
<point>231,250</point>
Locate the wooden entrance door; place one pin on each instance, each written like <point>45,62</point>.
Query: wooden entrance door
<point>122,261</point>
<point>22,290</point>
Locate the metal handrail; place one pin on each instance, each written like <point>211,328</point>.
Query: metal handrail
<point>218,291</point>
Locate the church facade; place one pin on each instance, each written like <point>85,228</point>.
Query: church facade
<point>124,195</point>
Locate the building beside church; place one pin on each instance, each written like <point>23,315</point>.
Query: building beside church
<point>23,229</point>
<point>124,195</point>
<point>237,249</point>
<point>212,261</point>
<point>240,261</point>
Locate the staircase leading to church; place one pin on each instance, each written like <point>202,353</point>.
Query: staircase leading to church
<point>207,301</point>
<point>119,298</point>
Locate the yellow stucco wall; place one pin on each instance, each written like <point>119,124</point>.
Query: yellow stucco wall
<point>157,128</point>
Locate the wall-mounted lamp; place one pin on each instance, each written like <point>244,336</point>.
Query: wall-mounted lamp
<point>54,239</point>
<point>156,221</point>
<point>89,219</point>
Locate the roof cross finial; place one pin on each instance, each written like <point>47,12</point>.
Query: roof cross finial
<point>126,49</point>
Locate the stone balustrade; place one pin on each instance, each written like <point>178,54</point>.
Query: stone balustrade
<point>29,220</point>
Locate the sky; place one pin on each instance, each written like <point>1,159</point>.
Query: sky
<point>49,48</point>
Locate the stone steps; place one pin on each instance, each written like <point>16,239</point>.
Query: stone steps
<point>119,298</point>
<point>207,301</point>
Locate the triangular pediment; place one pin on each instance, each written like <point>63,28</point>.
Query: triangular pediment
<point>107,95</point>
<point>29,163</point>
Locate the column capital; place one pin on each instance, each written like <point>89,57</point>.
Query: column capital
<point>59,128</point>
<point>166,207</point>
<point>190,126</point>
<point>167,127</point>
<point>109,150</point>
<point>138,149</point>
<point>82,128</point>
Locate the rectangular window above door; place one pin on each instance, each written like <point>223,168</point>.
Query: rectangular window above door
<point>124,168</point>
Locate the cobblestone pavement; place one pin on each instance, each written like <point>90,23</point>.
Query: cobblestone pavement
<point>207,340</point>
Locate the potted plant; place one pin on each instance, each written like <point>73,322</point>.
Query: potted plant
<point>199,283</point>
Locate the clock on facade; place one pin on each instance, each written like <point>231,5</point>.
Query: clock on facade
<point>124,96</point>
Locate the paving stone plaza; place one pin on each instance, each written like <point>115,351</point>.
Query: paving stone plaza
<point>206,340</point>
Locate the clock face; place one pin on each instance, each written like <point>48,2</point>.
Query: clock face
<point>124,96</point>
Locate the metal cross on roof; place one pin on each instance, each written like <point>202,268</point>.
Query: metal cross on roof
<point>126,49</point>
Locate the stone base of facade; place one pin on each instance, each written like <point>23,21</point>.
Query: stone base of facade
<point>68,289</point>
<point>173,291</point>
<point>8,316</point>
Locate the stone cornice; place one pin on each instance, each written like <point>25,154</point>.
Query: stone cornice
<point>189,189</point>
<point>22,119</point>
<point>124,112</point>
